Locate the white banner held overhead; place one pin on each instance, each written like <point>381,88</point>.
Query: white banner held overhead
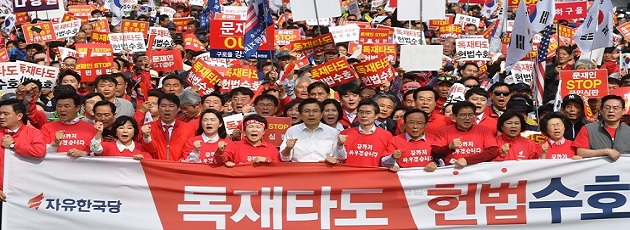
<point>421,57</point>
<point>409,37</point>
<point>410,11</point>
<point>472,49</point>
<point>345,33</point>
<point>162,37</point>
<point>305,9</point>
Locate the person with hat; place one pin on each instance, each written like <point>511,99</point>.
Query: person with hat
<point>573,109</point>
<point>521,89</point>
<point>443,86</point>
<point>608,137</point>
<point>499,95</point>
<point>524,106</point>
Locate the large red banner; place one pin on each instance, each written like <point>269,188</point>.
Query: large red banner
<point>228,39</point>
<point>589,83</point>
<point>570,10</point>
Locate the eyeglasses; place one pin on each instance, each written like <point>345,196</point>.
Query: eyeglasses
<point>365,112</point>
<point>470,115</point>
<point>266,105</point>
<point>499,93</point>
<point>419,123</point>
<point>612,108</point>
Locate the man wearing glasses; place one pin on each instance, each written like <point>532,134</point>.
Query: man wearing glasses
<point>608,137</point>
<point>500,96</point>
<point>464,143</point>
<point>366,144</point>
<point>412,148</point>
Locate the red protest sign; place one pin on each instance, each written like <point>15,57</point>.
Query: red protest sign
<point>99,37</point>
<point>570,10</point>
<point>450,31</point>
<point>334,72</point>
<point>285,37</point>
<point>221,16</point>
<point>437,23</point>
<point>374,35</point>
<point>623,92</point>
<point>373,73</point>
<point>166,60</point>
<point>322,43</point>
<point>69,17</point>
<point>182,23</point>
<point>95,49</point>
<point>624,29</point>
<point>202,75</point>
<point>4,56</point>
<point>590,83</point>
<point>22,18</point>
<point>229,39</point>
<point>84,12</point>
<point>135,26</point>
<point>100,26</point>
<point>92,67</point>
<point>40,32</point>
<point>374,51</point>
<point>240,76</point>
<point>514,3</point>
<point>276,128</point>
<point>191,42</point>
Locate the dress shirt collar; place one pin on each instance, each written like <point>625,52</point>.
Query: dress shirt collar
<point>560,142</point>
<point>423,137</point>
<point>121,147</point>
<point>71,122</point>
<point>371,131</point>
<point>207,139</point>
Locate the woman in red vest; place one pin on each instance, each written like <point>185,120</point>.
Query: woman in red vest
<point>202,148</point>
<point>126,130</point>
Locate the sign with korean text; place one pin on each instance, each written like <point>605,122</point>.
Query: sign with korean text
<point>168,11</point>
<point>407,36</point>
<point>221,16</point>
<point>67,29</point>
<point>514,3</point>
<point>4,55</point>
<point>95,49</point>
<point>375,51</point>
<point>470,49</point>
<point>454,31</point>
<point>232,122</point>
<point>285,37</point>
<point>524,195</point>
<point>40,32</point>
<point>130,26</point>
<point>94,66</point>
<point>345,33</point>
<point>565,35</point>
<point>228,36</point>
<point>456,93</point>
<point>235,10</point>
<point>166,60</point>
<point>162,37</point>
<point>81,11</point>
<point>216,62</point>
<point>276,128</point>
<point>571,10</point>
<point>334,72</point>
<point>373,35</point>
<point>68,17</point>
<point>35,5</point>
<point>204,76</point>
<point>240,76</point>
<point>22,17</point>
<point>181,24</point>
<point>99,37</point>
<point>590,83</point>
<point>45,74</point>
<point>464,20</point>
<point>437,23</point>
<point>127,5</point>
<point>624,29</point>
<point>100,26</point>
<point>123,41</point>
<point>10,77</point>
<point>522,71</point>
<point>372,73</point>
<point>322,43</point>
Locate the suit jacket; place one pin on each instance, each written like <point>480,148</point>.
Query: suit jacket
<point>160,148</point>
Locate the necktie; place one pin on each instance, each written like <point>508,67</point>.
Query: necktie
<point>167,135</point>
<point>383,125</point>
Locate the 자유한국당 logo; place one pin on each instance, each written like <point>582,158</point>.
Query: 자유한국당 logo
<point>36,201</point>
<point>76,205</point>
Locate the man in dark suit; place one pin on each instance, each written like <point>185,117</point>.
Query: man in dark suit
<point>387,105</point>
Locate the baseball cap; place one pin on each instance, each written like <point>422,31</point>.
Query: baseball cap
<point>410,86</point>
<point>570,98</point>
<point>443,79</point>
<point>520,87</point>
<point>520,104</point>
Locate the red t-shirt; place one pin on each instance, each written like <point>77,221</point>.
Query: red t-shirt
<point>242,152</point>
<point>474,141</point>
<point>414,153</point>
<point>520,149</point>
<point>366,149</point>
<point>582,140</point>
<point>565,150</point>
<point>207,150</point>
<point>435,122</point>
<point>77,135</point>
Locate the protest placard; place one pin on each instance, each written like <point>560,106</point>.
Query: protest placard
<point>45,74</point>
<point>437,23</point>
<point>235,10</point>
<point>40,32</point>
<point>67,29</point>
<point>471,49</point>
<point>127,5</point>
<point>590,83</point>
<point>181,24</point>
<point>162,37</point>
<point>4,55</point>
<point>285,37</point>
<point>334,72</point>
<point>166,60</point>
<point>276,128</point>
<point>464,20</point>
<point>523,71</point>
<point>373,35</point>
<point>373,73</point>
<point>203,76</point>
<point>100,26</point>
<point>168,11</point>
<point>624,29</point>
<point>456,93</point>
<point>99,37</point>
<point>407,36</point>
<point>345,33</point>
<point>448,31</point>
<point>132,26</point>
<point>421,57</point>
<point>94,66</point>
<point>10,77</point>
<point>375,51</point>
<point>240,76</point>
<point>232,122</point>
<point>123,41</point>
<point>322,43</point>
<point>94,49</point>
<point>228,38</point>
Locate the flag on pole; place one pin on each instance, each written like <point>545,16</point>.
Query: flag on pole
<point>521,39</point>
<point>557,102</point>
<point>496,43</point>
<point>542,15</point>
<point>256,23</point>
<point>212,7</point>
<point>596,30</point>
<point>488,8</point>
<point>117,14</point>
<point>539,66</point>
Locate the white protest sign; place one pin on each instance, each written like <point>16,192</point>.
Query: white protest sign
<point>235,10</point>
<point>510,25</point>
<point>376,4</point>
<point>522,72</point>
<point>218,62</point>
<point>305,10</point>
<point>168,11</point>
<point>127,5</point>
<point>162,37</point>
<point>421,57</point>
<point>410,11</point>
<point>345,33</point>
<point>596,54</point>
<point>45,74</point>
<point>231,122</point>
<point>456,94</point>
<point>67,29</point>
<point>67,52</point>
<point>10,76</point>
<point>430,10</point>
<point>353,8</point>
<point>465,20</point>
<point>322,22</point>
<point>123,41</point>
<point>196,2</point>
<point>472,49</point>
<point>407,36</point>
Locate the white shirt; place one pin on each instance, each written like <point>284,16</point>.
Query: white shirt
<point>170,129</point>
<point>121,147</point>
<point>313,145</point>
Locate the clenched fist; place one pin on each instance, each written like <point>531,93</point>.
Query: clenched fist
<point>146,131</point>
<point>197,145</point>
<point>291,142</point>
<point>456,143</point>
<point>505,148</point>
<point>221,146</point>
<point>342,139</point>
<point>397,153</point>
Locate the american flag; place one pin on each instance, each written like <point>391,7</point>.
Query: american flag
<point>212,7</point>
<point>539,83</point>
<point>256,23</point>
